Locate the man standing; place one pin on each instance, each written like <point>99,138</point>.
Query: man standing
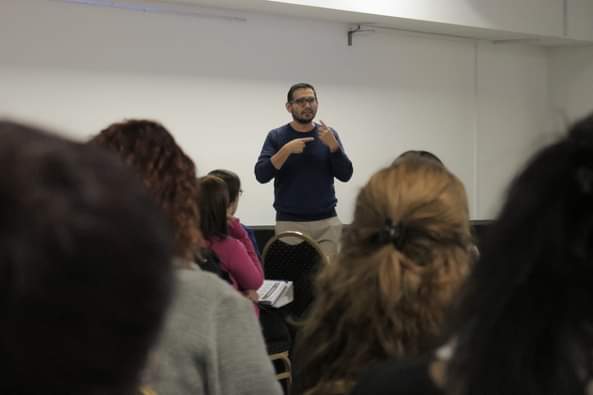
<point>303,158</point>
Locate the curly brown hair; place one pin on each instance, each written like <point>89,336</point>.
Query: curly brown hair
<point>383,298</point>
<point>168,174</point>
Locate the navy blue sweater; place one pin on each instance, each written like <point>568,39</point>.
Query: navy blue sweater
<point>304,185</point>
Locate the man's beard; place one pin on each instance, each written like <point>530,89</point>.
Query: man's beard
<point>304,119</point>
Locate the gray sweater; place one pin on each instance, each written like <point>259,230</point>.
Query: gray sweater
<point>212,343</point>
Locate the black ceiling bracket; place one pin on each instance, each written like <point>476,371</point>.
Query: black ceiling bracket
<point>357,29</point>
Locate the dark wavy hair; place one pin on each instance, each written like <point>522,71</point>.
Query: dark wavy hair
<point>525,323</point>
<point>168,174</point>
<point>85,263</point>
<point>214,201</point>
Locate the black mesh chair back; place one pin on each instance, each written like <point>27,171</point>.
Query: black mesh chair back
<point>299,263</point>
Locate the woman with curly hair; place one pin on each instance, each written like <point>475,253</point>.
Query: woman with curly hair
<point>212,343</point>
<point>402,260</point>
<point>168,174</point>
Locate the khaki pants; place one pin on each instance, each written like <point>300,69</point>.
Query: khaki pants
<point>327,232</point>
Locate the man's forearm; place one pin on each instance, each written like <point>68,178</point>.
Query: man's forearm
<point>341,166</point>
<point>279,158</point>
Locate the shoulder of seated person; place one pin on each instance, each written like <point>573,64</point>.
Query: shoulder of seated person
<point>206,285</point>
<point>229,240</point>
<point>401,375</point>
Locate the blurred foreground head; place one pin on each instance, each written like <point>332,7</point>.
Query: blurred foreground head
<point>525,324</point>
<point>85,268</point>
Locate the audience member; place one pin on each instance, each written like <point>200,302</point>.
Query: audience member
<point>402,260</point>
<point>425,154</point>
<point>524,323</point>
<point>227,238</point>
<point>86,268</point>
<point>212,343</point>
<point>233,183</point>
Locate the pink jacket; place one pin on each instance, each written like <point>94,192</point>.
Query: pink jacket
<point>238,258</point>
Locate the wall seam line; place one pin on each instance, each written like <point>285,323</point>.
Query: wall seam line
<point>476,189</point>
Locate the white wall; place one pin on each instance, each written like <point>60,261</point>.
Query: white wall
<point>514,118</point>
<point>579,19</point>
<point>571,82</point>
<point>219,86</point>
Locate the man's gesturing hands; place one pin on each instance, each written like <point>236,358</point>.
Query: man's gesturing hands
<point>327,137</point>
<point>297,146</point>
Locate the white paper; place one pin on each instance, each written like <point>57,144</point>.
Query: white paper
<point>276,293</point>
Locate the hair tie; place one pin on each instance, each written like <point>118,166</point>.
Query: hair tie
<point>391,233</point>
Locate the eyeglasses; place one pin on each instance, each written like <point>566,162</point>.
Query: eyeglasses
<point>302,100</point>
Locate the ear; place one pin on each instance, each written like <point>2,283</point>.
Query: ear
<point>288,107</point>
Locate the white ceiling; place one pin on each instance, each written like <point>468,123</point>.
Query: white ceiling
<point>226,8</point>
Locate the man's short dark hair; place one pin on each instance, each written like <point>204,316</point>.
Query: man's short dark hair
<point>300,85</point>
<point>85,268</point>
<point>232,181</point>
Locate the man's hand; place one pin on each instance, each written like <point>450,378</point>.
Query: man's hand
<point>297,146</point>
<point>327,137</point>
<point>235,229</point>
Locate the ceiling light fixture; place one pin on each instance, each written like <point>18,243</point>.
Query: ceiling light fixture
<point>154,8</point>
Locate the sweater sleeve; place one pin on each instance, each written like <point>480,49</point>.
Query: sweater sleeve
<point>238,231</point>
<point>251,235</point>
<point>341,164</point>
<point>243,363</point>
<point>246,271</point>
<point>264,169</point>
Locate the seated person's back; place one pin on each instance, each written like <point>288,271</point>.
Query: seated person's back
<point>211,343</point>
